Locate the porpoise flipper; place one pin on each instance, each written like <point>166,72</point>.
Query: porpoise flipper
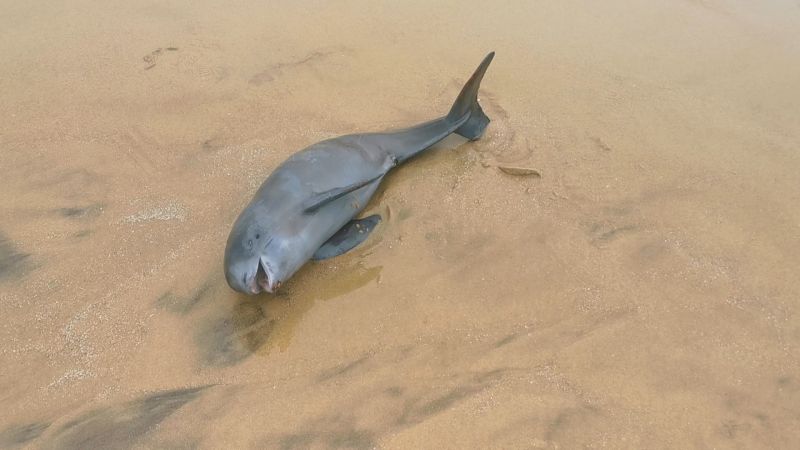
<point>320,199</point>
<point>347,238</point>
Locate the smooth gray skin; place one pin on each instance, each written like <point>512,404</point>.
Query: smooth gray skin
<point>319,189</point>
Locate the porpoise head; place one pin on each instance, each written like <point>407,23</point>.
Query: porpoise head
<point>252,265</point>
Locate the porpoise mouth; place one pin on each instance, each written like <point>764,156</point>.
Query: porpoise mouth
<point>261,279</point>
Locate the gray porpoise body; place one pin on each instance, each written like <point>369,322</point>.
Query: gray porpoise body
<point>320,189</point>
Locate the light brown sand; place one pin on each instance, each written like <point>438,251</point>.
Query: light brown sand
<point>642,293</point>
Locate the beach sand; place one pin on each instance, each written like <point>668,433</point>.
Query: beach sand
<point>642,292</point>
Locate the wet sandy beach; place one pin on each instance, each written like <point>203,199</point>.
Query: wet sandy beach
<point>641,293</point>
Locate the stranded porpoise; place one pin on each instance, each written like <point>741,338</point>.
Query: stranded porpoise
<point>306,208</point>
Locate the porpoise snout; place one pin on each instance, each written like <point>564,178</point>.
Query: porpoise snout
<point>242,277</point>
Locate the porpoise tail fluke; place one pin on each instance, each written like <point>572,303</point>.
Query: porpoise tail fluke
<point>467,103</point>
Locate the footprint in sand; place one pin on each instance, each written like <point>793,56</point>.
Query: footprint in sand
<point>150,58</point>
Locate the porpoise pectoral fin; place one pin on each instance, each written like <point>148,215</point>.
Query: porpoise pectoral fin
<point>320,199</point>
<point>348,238</point>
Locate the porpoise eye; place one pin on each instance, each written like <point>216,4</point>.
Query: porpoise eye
<point>258,236</point>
